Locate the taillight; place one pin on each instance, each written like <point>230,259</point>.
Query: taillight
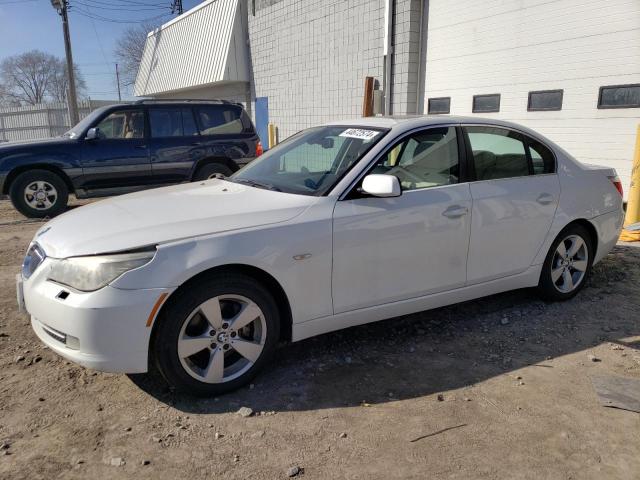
<point>259,149</point>
<point>617,183</point>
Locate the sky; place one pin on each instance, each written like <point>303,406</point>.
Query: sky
<point>95,26</point>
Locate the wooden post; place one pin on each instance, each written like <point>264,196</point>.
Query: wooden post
<point>367,103</point>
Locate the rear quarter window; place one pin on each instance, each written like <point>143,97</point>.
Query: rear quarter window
<point>221,120</point>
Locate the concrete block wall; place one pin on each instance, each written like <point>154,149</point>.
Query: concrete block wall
<point>310,58</point>
<point>405,60</point>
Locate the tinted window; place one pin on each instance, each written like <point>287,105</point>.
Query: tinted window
<point>542,158</point>
<point>439,105</point>
<point>220,120</point>
<point>619,96</point>
<point>123,124</point>
<point>171,122</point>
<point>497,153</point>
<point>426,159</point>
<point>545,100</point>
<point>486,103</point>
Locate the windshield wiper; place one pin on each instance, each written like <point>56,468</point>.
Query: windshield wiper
<point>254,183</point>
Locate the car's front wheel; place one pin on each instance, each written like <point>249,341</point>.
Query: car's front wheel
<point>216,336</point>
<point>567,265</point>
<point>39,194</point>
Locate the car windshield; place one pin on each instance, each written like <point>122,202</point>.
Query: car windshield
<point>310,162</point>
<point>84,124</point>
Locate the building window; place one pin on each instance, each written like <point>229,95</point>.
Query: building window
<point>486,103</point>
<point>619,96</point>
<point>545,100</point>
<point>439,105</point>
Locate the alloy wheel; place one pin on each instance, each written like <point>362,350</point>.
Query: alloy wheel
<point>40,195</point>
<point>222,338</point>
<point>569,264</point>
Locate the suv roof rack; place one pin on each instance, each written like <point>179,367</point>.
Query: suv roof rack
<point>188,100</point>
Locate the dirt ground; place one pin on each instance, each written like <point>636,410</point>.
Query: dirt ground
<point>497,388</point>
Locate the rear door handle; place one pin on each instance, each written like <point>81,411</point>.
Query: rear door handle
<point>545,199</point>
<point>455,211</point>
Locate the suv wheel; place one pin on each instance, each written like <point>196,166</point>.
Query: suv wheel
<point>216,337</point>
<point>568,264</point>
<point>208,171</point>
<point>39,194</point>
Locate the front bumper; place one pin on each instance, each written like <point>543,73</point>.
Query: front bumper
<point>105,330</point>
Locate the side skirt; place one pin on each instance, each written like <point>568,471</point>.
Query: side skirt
<point>528,278</point>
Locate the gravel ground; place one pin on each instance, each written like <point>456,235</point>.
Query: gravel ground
<point>490,389</point>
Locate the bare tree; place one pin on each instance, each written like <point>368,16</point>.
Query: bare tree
<point>129,50</point>
<point>58,88</point>
<point>26,77</point>
<point>34,77</point>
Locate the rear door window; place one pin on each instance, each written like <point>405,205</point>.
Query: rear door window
<point>497,153</point>
<point>220,120</point>
<point>171,122</point>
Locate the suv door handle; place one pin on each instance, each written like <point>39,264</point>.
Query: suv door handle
<point>455,211</point>
<point>545,199</point>
<point>140,147</point>
<point>196,144</point>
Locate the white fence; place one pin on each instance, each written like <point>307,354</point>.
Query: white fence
<point>41,121</point>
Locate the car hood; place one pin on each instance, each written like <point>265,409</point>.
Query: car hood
<point>166,214</point>
<point>10,146</point>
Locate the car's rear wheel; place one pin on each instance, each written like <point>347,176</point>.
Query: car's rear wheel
<point>567,265</point>
<point>210,170</point>
<point>39,194</point>
<point>216,336</point>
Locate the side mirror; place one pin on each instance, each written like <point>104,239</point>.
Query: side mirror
<point>93,134</point>
<point>381,185</point>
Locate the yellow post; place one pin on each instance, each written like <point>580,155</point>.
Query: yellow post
<point>272,135</point>
<point>633,200</point>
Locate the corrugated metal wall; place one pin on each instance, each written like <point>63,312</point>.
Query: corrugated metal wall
<point>204,46</point>
<point>41,121</point>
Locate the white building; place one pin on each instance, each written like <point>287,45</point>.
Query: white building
<point>567,68</point>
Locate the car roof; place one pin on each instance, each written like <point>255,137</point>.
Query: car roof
<point>402,123</point>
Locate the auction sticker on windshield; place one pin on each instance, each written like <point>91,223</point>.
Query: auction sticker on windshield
<point>360,133</point>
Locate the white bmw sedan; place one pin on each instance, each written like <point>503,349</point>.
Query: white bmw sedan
<point>340,225</point>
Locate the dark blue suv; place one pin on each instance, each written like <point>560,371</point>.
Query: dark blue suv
<point>124,148</point>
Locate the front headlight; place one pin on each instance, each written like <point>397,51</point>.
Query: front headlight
<point>92,273</point>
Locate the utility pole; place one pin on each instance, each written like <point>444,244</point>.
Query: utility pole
<point>118,80</point>
<point>176,7</point>
<point>72,98</point>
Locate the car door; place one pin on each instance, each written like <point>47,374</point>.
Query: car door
<point>391,249</point>
<point>174,145</point>
<point>119,155</point>
<point>515,197</point>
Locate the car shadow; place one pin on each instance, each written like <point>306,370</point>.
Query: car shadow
<point>435,351</point>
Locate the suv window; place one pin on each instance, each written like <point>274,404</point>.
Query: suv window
<point>425,159</point>
<point>123,124</point>
<point>172,122</point>
<point>220,120</point>
<point>497,153</point>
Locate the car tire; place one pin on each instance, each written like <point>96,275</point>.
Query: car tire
<point>196,346</point>
<point>39,194</point>
<point>567,266</point>
<point>209,171</point>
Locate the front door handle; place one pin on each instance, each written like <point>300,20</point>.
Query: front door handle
<point>140,147</point>
<point>545,199</point>
<point>455,211</point>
